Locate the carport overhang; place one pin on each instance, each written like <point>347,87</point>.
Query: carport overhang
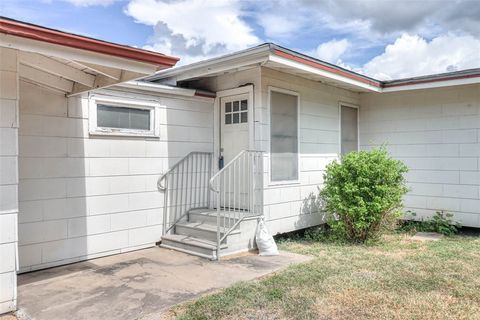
<point>62,62</point>
<point>74,64</point>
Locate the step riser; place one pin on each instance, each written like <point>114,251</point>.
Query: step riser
<point>196,233</point>
<point>187,247</point>
<point>208,219</point>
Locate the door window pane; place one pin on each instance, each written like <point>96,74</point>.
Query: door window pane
<point>243,105</point>
<point>236,112</point>
<point>122,118</point>
<point>244,117</point>
<point>236,118</point>
<point>349,124</point>
<point>283,136</point>
<point>235,106</point>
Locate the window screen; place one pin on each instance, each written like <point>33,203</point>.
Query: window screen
<point>349,124</point>
<point>283,136</point>
<point>122,118</point>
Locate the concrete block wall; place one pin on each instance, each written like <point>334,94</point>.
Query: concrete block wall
<point>436,132</point>
<point>9,94</point>
<point>84,196</point>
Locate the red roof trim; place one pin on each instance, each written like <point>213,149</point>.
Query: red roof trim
<point>29,31</point>
<point>326,68</point>
<point>413,82</point>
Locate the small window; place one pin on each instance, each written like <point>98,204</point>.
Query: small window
<point>236,112</point>
<point>123,118</point>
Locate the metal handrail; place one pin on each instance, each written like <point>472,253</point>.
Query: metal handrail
<point>229,164</point>
<point>238,192</point>
<point>185,186</point>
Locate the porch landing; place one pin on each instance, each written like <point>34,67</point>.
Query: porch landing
<point>136,285</point>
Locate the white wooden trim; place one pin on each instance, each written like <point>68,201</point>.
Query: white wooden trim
<point>153,107</point>
<point>48,79</point>
<point>112,73</point>
<point>350,105</point>
<point>326,74</point>
<point>431,85</point>
<point>155,87</point>
<point>269,153</point>
<point>73,54</point>
<point>240,59</point>
<point>57,68</point>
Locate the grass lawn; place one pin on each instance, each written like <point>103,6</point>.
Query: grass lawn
<point>394,279</point>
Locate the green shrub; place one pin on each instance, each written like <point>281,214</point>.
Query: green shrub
<point>362,193</point>
<point>441,222</point>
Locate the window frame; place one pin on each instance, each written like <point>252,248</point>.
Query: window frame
<point>240,112</point>
<point>153,107</point>
<point>269,111</point>
<point>350,105</point>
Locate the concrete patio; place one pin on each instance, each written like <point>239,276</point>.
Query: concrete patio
<point>136,285</point>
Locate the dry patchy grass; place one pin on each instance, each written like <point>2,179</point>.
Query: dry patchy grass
<point>395,279</point>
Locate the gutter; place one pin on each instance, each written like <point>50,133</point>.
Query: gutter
<point>316,63</point>
<point>460,75</point>
<point>155,87</point>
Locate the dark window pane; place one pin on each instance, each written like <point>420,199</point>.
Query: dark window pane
<point>243,105</point>
<point>228,119</point>
<point>235,106</point>
<point>122,118</point>
<point>244,117</point>
<point>228,107</point>
<point>236,118</point>
<point>349,129</point>
<point>139,119</point>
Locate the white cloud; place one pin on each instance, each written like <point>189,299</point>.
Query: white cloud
<point>87,3</point>
<point>194,29</point>
<point>277,26</point>
<point>396,17</point>
<point>411,55</point>
<point>332,50</point>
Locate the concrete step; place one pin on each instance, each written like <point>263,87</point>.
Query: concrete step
<point>201,230</point>
<point>191,245</point>
<point>207,216</point>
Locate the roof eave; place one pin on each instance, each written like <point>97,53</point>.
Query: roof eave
<point>207,67</point>
<point>29,31</point>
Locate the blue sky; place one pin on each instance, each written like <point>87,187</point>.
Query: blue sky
<point>384,39</point>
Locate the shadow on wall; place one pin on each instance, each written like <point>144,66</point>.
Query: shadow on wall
<point>53,218</point>
<point>311,211</point>
<point>83,196</point>
<point>186,126</point>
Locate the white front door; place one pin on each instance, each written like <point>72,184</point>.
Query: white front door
<point>234,137</point>
<point>234,126</point>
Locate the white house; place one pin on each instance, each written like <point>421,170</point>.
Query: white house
<point>92,164</point>
<point>46,162</point>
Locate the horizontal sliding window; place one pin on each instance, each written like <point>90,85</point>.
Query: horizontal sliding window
<point>122,118</point>
<point>114,118</point>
